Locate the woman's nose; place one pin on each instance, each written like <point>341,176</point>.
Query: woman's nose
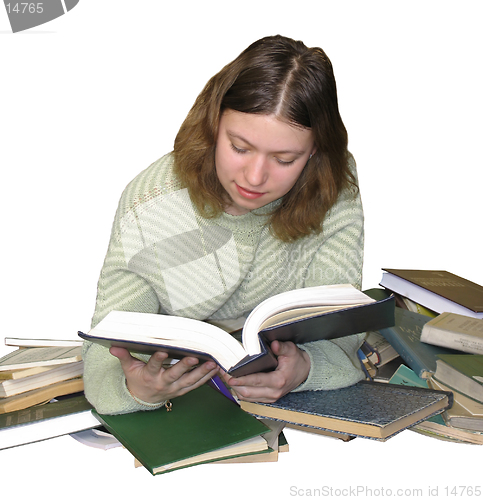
<point>256,170</point>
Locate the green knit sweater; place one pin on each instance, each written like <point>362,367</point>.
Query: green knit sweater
<point>164,257</point>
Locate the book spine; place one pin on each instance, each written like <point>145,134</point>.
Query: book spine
<point>394,337</point>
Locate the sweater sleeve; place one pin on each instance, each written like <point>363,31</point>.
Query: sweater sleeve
<point>105,384</point>
<point>334,363</point>
<point>119,288</point>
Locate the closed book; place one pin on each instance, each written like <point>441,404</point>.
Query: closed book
<point>26,372</point>
<point>455,331</point>
<point>302,315</point>
<point>203,426</point>
<point>28,342</point>
<point>440,291</point>
<point>405,337</point>
<point>462,372</point>
<point>41,395</point>
<point>57,373</point>
<point>466,413</point>
<point>30,357</point>
<point>439,425</point>
<point>378,349</point>
<point>50,420</point>
<point>367,409</point>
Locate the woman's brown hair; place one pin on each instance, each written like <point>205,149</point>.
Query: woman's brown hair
<point>281,77</point>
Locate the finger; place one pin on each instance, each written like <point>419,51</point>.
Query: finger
<point>226,377</point>
<point>124,357</point>
<point>197,377</point>
<point>254,380</point>
<point>282,348</point>
<point>183,366</point>
<point>119,352</point>
<point>155,362</point>
<point>255,394</point>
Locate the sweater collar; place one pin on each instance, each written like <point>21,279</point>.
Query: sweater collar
<point>249,221</point>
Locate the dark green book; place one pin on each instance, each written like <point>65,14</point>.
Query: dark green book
<point>462,372</point>
<point>203,426</point>
<point>367,409</point>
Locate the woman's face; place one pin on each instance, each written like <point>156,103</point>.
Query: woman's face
<point>259,158</point>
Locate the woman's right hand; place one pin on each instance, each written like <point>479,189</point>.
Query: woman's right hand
<point>153,383</point>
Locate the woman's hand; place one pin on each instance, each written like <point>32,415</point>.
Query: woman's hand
<point>293,369</point>
<point>151,382</point>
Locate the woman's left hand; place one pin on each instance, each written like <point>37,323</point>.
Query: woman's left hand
<point>292,370</point>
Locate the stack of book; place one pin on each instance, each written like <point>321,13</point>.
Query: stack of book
<point>207,424</point>
<point>41,391</point>
<point>164,441</point>
<point>441,344</point>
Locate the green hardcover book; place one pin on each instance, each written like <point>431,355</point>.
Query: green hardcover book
<point>203,426</point>
<point>462,372</point>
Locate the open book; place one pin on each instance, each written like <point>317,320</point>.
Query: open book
<point>302,315</point>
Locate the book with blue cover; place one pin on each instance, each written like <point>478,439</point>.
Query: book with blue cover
<point>367,409</point>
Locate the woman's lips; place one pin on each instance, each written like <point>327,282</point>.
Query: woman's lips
<point>252,195</point>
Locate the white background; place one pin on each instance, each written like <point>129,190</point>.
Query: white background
<point>92,98</point>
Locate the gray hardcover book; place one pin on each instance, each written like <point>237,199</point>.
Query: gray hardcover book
<point>367,409</point>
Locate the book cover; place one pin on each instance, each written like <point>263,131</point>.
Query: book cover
<point>27,342</point>
<point>29,357</point>
<point>367,409</point>
<point>405,337</point>
<point>455,331</point>
<point>437,425</point>
<point>25,372</point>
<point>41,395</point>
<point>201,421</point>
<point>46,421</point>
<point>339,323</point>
<point>378,349</point>
<point>57,373</point>
<point>440,291</point>
<point>468,405</point>
<point>462,372</point>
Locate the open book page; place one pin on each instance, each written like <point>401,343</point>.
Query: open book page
<point>172,331</point>
<point>326,295</point>
<point>298,314</point>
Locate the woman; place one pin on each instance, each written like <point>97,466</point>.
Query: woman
<point>258,197</point>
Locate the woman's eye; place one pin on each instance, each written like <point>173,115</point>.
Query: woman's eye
<point>282,162</point>
<point>237,150</point>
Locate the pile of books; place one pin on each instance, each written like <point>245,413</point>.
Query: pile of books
<point>437,342</point>
<point>41,391</point>
<point>426,392</point>
<point>205,425</point>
